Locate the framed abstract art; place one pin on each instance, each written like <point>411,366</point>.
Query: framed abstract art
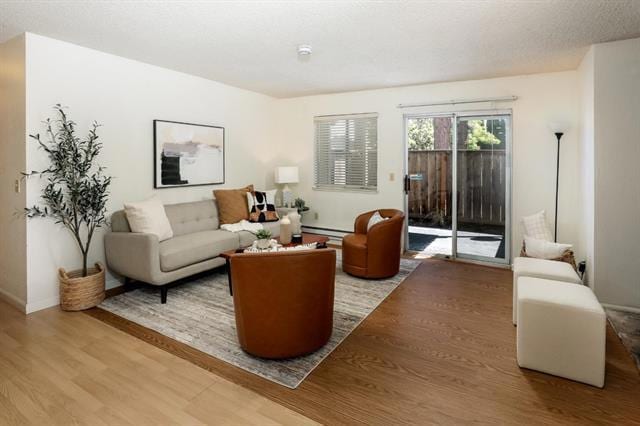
<point>187,154</point>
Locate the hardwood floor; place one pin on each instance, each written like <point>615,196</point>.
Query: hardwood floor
<point>440,349</point>
<point>69,368</point>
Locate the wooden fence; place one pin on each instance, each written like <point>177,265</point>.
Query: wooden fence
<point>481,192</point>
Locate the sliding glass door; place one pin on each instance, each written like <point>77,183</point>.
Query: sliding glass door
<point>457,185</point>
<point>429,184</point>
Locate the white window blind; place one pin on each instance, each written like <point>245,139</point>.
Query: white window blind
<point>346,152</point>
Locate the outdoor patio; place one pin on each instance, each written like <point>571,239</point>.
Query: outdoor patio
<point>486,241</point>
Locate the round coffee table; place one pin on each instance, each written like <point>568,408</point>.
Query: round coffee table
<point>320,240</point>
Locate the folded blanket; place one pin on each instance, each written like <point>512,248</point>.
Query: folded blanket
<point>243,225</point>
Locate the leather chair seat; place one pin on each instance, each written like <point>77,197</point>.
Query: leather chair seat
<point>375,252</point>
<point>356,254</point>
<point>283,301</point>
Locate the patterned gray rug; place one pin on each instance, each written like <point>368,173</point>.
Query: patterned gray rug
<point>200,314</point>
<point>627,327</point>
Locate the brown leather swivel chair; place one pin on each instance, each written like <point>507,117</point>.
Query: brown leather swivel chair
<point>376,253</point>
<point>283,301</point>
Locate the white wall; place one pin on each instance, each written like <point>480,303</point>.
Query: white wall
<point>13,230</point>
<point>587,163</point>
<point>617,174</point>
<point>125,96</point>
<point>542,98</point>
<point>599,101</point>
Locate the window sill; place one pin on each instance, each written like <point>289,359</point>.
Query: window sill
<point>348,190</point>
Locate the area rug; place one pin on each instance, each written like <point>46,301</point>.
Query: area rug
<point>627,327</point>
<point>200,314</point>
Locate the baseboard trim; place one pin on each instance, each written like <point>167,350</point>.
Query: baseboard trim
<point>42,304</point>
<point>336,233</point>
<point>622,308</point>
<point>13,301</point>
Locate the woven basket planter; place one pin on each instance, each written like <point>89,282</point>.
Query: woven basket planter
<point>78,292</point>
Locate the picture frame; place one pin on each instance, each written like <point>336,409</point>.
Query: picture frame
<point>187,154</point>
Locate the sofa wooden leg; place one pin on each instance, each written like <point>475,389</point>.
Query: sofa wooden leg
<point>163,295</point>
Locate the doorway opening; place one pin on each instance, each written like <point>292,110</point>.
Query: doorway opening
<point>457,185</point>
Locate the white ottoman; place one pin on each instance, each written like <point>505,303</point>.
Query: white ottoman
<point>540,268</point>
<point>561,330</point>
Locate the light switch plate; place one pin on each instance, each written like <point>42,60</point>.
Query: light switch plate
<point>392,177</point>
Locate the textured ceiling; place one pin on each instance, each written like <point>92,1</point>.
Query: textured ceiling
<point>357,44</point>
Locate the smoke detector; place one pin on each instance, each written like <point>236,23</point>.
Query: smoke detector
<point>304,50</point>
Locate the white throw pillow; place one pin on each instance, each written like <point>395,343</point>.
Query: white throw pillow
<point>535,226</point>
<point>542,249</point>
<point>375,218</point>
<point>149,217</point>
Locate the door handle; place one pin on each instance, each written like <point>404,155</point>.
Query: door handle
<point>407,184</point>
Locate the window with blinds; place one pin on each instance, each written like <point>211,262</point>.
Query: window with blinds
<point>346,152</point>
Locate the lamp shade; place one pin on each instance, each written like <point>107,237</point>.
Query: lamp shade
<point>287,174</point>
<point>559,126</point>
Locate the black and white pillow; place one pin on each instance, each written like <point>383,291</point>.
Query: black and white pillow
<point>262,206</point>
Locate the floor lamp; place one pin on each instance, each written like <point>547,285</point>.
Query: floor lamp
<point>558,130</point>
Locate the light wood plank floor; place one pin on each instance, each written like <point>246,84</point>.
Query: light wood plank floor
<point>440,349</point>
<point>69,368</point>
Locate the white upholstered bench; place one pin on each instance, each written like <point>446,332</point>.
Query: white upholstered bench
<point>540,268</point>
<point>561,330</point>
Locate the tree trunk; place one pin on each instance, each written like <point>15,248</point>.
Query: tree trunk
<point>84,263</point>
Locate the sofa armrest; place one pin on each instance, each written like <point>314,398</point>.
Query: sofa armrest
<point>133,255</point>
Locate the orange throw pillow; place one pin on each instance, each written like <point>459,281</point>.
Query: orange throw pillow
<point>232,204</point>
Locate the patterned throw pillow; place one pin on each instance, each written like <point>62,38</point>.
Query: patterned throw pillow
<point>262,206</point>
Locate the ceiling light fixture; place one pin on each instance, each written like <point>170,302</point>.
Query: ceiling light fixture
<point>304,50</point>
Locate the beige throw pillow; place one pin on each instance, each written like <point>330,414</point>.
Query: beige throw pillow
<point>149,217</point>
<point>375,218</point>
<point>232,204</point>
<point>542,249</point>
<point>535,226</point>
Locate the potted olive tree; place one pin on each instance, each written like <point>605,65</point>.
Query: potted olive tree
<point>75,196</point>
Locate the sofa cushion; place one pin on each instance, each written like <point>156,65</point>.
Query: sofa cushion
<point>188,249</point>
<point>187,218</point>
<point>246,238</point>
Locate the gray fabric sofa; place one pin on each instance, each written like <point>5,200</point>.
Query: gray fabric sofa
<point>195,247</point>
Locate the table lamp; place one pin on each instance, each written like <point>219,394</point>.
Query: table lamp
<point>285,176</point>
